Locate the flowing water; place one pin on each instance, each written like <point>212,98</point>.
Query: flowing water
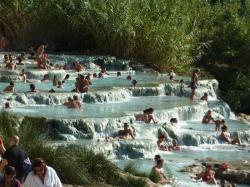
<point>113,100</point>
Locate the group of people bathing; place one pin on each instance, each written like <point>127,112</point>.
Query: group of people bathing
<point>225,135</point>
<point>16,170</point>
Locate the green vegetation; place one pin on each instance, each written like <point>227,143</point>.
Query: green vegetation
<point>172,34</point>
<point>74,164</point>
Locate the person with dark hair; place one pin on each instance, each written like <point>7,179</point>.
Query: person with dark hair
<point>158,169</point>
<point>134,82</point>
<point>15,156</point>
<point>156,158</point>
<point>10,88</point>
<point>208,117</point>
<point>161,143</point>
<point>45,78</point>
<point>40,50</point>
<point>209,175</point>
<point>9,179</point>
<point>147,116</point>
<point>42,175</point>
<point>32,88</point>
<point>94,75</point>
<point>225,136</point>
<point>126,132</point>
<point>174,146</point>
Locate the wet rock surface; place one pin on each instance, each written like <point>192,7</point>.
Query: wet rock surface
<point>239,172</point>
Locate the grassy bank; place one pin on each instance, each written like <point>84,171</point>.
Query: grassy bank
<point>74,164</point>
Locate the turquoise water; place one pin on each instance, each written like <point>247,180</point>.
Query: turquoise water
<point>104,110</point>
<point>111,104</point>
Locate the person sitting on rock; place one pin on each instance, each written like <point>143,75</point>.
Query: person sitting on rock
<point>88,79</point>
<point>10,88</point>
<point>208,117</point>
<point>172,75</point>
<point>174,146</point>
<point>20,62</point>
<point>204,97</point>
<point>82,84</point>
<point>218,123</point>
<point>147,116</point>
<point>225,136</point>
<point>209,175</point>
<point>45,78</point>
<point>126,133</point>
<point>161,143</point>
<point>158,169</point>
<point>23,75</point>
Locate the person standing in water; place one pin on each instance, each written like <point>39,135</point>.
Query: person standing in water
<point>194,83</point>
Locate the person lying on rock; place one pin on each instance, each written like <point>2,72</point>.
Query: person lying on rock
<point>207,176</point>
<point>225,136</point>
<point>158,170</point>
<point>147,116</point>
<point>208,117</point>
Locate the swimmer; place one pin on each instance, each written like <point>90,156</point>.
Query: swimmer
<point>205,97</point>
<point>225,136</point>
<point>10,88</point>
<point>45,78</point>
<point>208,117</point>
